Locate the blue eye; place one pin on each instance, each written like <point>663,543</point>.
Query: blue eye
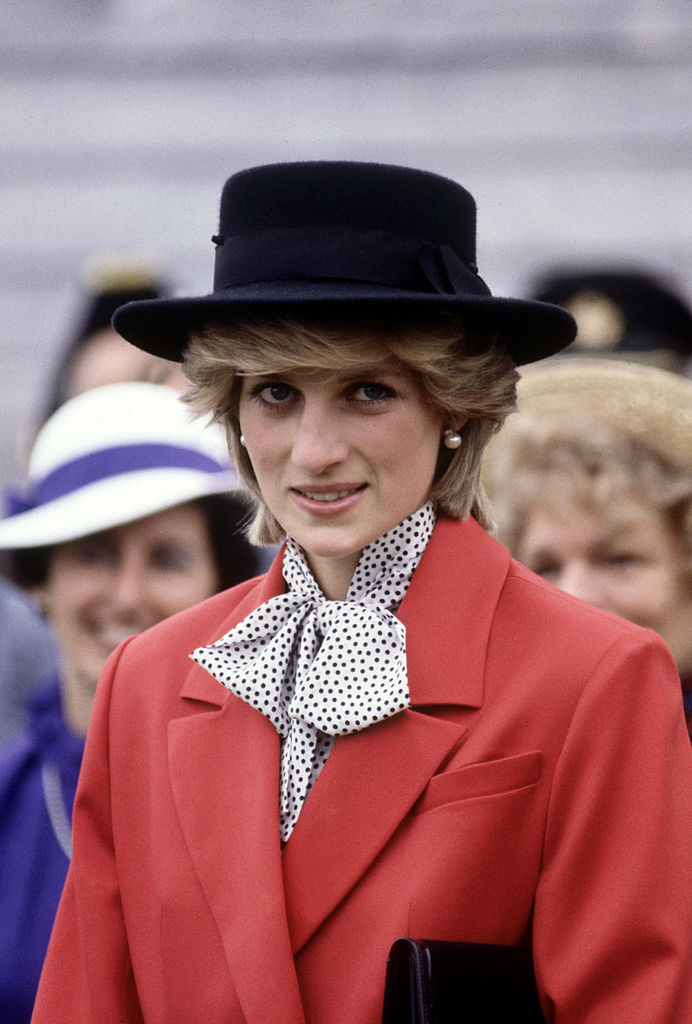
<point>278,392</point>
<point>370,391</point>
<point>273,394</point>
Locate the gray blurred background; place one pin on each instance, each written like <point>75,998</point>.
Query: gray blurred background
<point>569,120</point>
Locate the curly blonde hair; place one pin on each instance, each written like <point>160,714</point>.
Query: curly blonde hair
<point>572,458</point>
<point>463,373</point>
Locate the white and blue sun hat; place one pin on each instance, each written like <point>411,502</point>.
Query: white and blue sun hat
<point>113,455</point>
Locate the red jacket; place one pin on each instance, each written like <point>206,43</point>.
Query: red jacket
<point>537,791</point>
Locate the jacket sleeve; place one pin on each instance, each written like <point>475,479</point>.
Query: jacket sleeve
<point>613,909</point>
<point>87,975</point>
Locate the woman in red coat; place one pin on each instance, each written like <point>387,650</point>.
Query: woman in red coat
<point>398,730</point>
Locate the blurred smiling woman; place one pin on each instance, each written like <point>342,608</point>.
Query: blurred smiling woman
<point>132,515</point>
<point>592,487</point>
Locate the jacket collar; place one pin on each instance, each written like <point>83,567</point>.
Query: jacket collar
<point>448,611</point>
<point>470,564</point>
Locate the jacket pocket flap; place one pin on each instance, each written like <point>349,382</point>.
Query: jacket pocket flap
<point>487,778</point>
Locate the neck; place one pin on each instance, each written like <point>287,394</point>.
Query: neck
<point>333,575</point>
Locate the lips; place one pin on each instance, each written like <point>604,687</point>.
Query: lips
<point>329,499</point>
<point>329,492</point>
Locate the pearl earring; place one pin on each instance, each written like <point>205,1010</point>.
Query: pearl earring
<point>243,442</point>
<point>452,439</point>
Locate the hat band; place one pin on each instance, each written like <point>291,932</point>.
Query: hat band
<point>344,254</point>
<point>121,459</point>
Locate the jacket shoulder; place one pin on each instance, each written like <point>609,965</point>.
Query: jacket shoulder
<point>544,608</point>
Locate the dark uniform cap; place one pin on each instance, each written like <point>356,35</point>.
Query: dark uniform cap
<point>633,314</point>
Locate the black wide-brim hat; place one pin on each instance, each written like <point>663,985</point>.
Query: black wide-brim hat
<point>323,235</point>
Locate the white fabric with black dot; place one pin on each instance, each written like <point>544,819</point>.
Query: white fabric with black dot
<point>318,668</point>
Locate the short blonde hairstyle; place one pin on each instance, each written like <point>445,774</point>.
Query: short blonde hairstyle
<point>462,373</point>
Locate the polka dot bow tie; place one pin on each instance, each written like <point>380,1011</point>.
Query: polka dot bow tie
<point>317,668</point>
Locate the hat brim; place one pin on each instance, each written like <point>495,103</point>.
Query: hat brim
<point>109,503</point>
<point>531,330</point>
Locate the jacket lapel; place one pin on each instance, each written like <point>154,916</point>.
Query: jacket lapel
<point>369,783</point>
<point>372,778</point>
<point>448,612</point>
<point>267,906</point>
<point>223,766</point>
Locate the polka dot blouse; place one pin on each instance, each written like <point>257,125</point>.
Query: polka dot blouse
<point>318,668</point>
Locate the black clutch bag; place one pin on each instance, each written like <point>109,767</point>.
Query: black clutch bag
<point>430,982</point>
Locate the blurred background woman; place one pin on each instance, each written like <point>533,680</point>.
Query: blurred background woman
<point>592,487</point>
<point>92,355</point>
<point>132,514</point>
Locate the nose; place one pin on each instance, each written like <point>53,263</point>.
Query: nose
<point>129,587</point>
<point>318,440</point>
<point>580,580</point>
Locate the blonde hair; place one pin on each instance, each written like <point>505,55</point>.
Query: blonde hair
<point>568,458</point>
<point>462,373</point>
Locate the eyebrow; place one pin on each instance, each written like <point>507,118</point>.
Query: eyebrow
<point>343,376</point>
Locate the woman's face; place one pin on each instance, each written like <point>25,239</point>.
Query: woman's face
<point>340,459</point>
<point>106,358</point>
<point>633,567</point>
<point>105,587</point>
